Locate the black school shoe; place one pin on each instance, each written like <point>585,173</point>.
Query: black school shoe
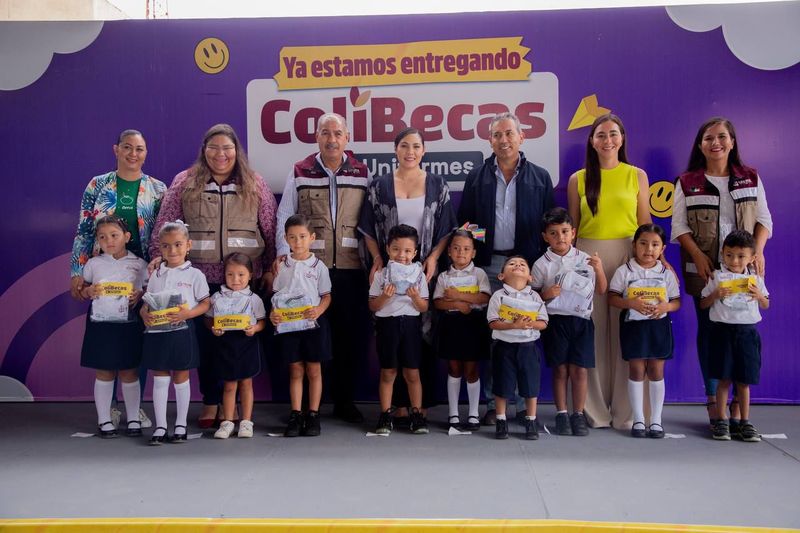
<point>501,429</point>
<point>158,440</point>
<point>563,426</point>
<point>295,424</point>
<point>748,432</point>
<point>655,431</point>
<point>579,425</point>
<point>638,431</point>
<point>178,438</point>
<point>385,425</point>
<point>473,423</point>
<point>419,426</point>
<point>107,433</point>
<point>721,430</point>
<point>311,427</point>
<point>531,429</point>
<point>134,428</point>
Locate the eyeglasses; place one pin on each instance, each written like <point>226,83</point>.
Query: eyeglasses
<point>214,149</point>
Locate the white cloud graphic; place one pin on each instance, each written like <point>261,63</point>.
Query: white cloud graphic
<point>26,48</point>
<point>764,36</point>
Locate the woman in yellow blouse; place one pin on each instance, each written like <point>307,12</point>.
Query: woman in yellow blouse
<point>607,201</point>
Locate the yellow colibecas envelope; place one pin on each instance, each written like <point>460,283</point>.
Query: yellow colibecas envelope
<point>116,288</point>
<point>468,289</point>
<point>738,284</point>
<point>656,294</point>
<point>159,318</point>
<point>292,314</point>
<point>510,314</point>
<point>232,322</point>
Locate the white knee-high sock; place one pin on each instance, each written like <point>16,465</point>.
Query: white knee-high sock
<point>453,391</point>
<point>656,401</point>
<point>474,395</point>
<point>132,396</point>
<point>636,397</point>
<point>102,400</point>
<point>160,394</point>
<point>183,393</point>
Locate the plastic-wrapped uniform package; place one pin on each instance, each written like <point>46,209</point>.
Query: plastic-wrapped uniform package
<point>161,304</point>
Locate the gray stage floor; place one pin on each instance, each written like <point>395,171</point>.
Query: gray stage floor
<point>607,476</point>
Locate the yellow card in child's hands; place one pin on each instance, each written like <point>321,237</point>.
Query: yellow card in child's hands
<point>116,288</point>
<point>653,294</point>
<point>468,289</point>
<point>292,314</point>
<point>232,322</point>
<point>159,318</point>
<point>738,284</point>
<point>510,314</point>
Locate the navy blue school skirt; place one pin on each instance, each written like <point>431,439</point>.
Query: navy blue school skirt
<point>171,350</point>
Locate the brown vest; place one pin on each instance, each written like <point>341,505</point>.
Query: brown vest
<point>220,222</point>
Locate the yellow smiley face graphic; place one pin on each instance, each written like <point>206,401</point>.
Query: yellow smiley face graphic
<point>661,193</point>
<point>211,55</point>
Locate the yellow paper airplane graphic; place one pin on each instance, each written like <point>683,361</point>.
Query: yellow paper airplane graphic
<point>587,111</point>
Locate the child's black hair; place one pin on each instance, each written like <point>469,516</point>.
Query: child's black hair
<point>651,228</point>
<point>739,238</point>
<point>461,232</point>
<point>402,231</point>
<point>556,216</point>
<point>298,220</point>
<point>238,258</point>
<point>111,219</point>
<point>510,257</point>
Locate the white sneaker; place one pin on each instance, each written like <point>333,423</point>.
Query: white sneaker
<point>245,429</point>
<point>225,430</point>
<point>146,422</point>
<point>116,414</point>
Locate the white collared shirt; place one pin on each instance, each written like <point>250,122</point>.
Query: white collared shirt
<point>726,313</point>
<point>188,281</point>
<point>249,303</point>
<point>445,280</point>
<point>493,313</point>
<point>630,273</point>
<point>398,304</point>
<point>309,277</point>
<point>104,267</point>
<point>550,265</point>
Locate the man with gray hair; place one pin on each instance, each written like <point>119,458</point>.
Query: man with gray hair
<point>508,196</point>
<point>329,188</point>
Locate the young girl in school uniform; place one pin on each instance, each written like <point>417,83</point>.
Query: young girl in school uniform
<point>461,295</point>
<point>112,343</point>
<point>646,291</point>
<point>174,351</point>
<point>238,350</point>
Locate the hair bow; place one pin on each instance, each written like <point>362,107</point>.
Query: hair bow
<point>479,234</point>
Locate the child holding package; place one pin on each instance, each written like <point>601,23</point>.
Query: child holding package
<point>112,343</point>
<point>235,316</point>
<point>397,296</point>
<point>176,293</point>
<point>516,315</point>
<point>461,295</point>
<point>302,295</point>
<point>646,290</point>
<point>735,294</point>
<point>567,280</point>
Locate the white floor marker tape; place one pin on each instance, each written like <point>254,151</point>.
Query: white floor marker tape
<point>274,434</point>
<point>674,436</point>
<point>371,434</point>
<point>774,436</point>
<point>192,436</point>
<point>82,435</point>
<point>453,431</point>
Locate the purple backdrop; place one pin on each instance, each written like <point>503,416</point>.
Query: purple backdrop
<point>660,78</point>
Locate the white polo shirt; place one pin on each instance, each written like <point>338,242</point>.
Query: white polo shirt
<point>399,304</point>
<point>309,277</point>
<point>104,268</point>
<point>470,275</point>
<point>572,271</point>
<point>244,302</point>
<point>740,309</point>
<point>184,279</point>
<point>632,274</point>
<point>511,297</point>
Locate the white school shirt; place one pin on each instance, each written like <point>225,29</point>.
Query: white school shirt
<point>254,308</point>
<point>104,267</point>
<point>444,281</point>
<point>188,281</point>
<point>544,273</point>
<point>399,304</point>
<point>515,335</point>
<point>309,277</point>
<point>722,312</point>
<point>631,272</point>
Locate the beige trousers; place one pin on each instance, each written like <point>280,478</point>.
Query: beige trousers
<point>607,397</point>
